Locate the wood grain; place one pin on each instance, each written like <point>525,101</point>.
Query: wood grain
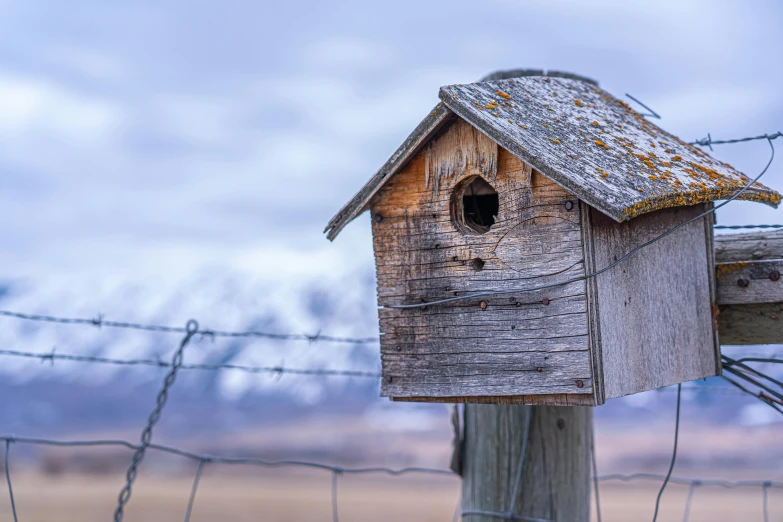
<point>555,482</point>
<point>749,323</point>
<point>509,346</point>
<point>654,310</point>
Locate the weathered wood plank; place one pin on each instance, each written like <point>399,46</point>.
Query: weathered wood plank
<point>752,246</point>
<point>561,399</point>
<point>750,282</point>
<point>393,343</point>
<point>751,323</point>
<point>656,318</point>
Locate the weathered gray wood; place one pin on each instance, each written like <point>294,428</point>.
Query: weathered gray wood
<point>510,346</point>
<point>555,483</point>
<point>596,146</point>
<point>752,246</point>
<point>655,313</point>
<point>752,282</point>
<point>751,324</point>
<point>754,322</point>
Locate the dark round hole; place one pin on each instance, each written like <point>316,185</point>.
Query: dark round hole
<point>478,205</point>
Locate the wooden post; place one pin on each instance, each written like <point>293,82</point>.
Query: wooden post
<point>555,481</point>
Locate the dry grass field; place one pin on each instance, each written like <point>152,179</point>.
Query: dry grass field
<point>275,496</point>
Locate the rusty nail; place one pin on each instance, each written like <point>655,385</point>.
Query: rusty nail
<point>774,275</point>
<point>580,384</point>
<point>742,282</point>
<point>539,369</point>
<point>569,205</point>
<point>378,218</point>
<point>545,301</point>
<point>483,305</point>
<point>477,264</point>
<point>389,379</point>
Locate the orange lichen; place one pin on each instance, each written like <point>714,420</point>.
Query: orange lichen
<point>553,140</point>
<point>578,103</point>
<point>491,105</point>
<point>601,144</point>
<point>595,123</point>
<point>603,173</point>
<point>726,269</point>
<point>676,158</point>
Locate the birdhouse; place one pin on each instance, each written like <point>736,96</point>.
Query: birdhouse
<point>520,190</point>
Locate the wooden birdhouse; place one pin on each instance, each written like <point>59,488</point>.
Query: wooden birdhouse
<point>524,188</point>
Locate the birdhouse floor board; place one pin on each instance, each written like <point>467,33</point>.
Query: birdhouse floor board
<point>530,400</point>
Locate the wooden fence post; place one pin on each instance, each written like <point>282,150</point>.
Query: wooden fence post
<point>555,481</point>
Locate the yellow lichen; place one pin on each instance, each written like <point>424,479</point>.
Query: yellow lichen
<point>601,144</point>
<point>578,103</point>
<point>554,141</point>
<point>503,95</point>
<point>676,158</point>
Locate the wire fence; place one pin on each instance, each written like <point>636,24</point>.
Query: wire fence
<point>746,379</point>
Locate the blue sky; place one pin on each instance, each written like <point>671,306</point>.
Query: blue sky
<point>161,149</point>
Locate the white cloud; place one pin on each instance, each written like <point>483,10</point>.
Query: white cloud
<point>30,106</point>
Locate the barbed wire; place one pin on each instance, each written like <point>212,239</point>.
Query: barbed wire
<point>741,227</point>
<point>278,370</point>
<point>709,142</point>
<point>99,322</point>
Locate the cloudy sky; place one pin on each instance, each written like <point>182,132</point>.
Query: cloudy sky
<point>156,150</point>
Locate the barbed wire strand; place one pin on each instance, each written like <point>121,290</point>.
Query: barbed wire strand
<point>753,381</point>
<point>740,227</point>
<point>708,141</point>
<point>217,459</point>
<point>652,112</point>
<point>763,399</point>
<point>674,454</point>
<point>6,465</point>
<point>146,434</point>
<point>595,475</point>
<point>201,463</point>
<point>607,267</point>
<point>99,322</point>
<point>52,356</point>
<point>689,500</point>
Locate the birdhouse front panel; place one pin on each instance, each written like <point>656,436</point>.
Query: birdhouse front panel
<point>466,216</point>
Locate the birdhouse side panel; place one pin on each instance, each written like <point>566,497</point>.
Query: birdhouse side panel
<point>656,310</point>
<point>520,347</point>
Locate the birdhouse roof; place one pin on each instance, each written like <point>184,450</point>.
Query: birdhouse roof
<point>581,137</point>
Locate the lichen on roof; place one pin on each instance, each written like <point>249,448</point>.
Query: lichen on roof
<point>581,137</point>
<point>627,166</point>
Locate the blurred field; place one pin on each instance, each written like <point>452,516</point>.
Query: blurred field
<point>276,496</point>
